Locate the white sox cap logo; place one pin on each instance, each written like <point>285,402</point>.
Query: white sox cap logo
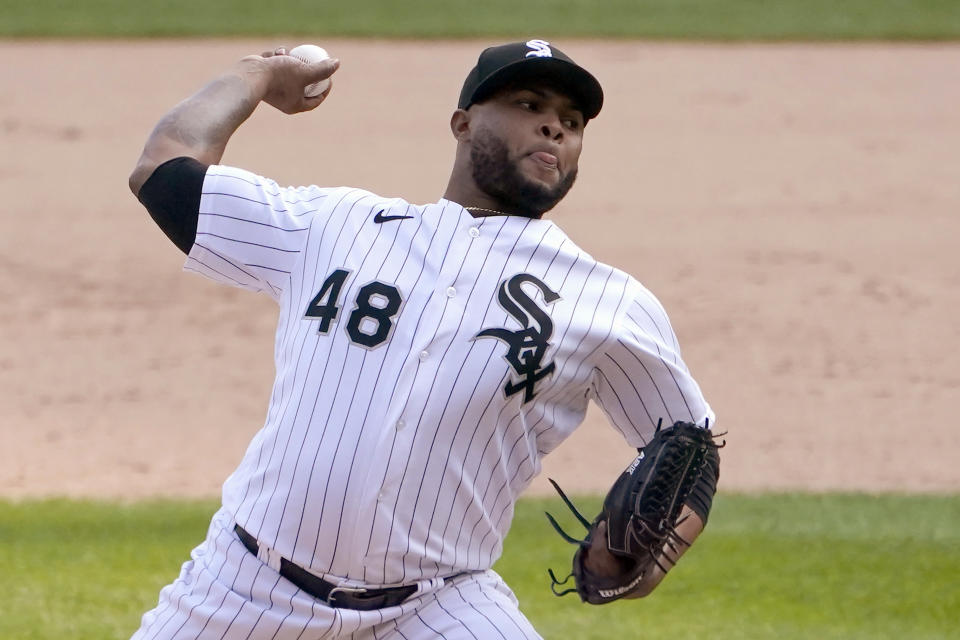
<point>539,49</point>
<point>535,59</point>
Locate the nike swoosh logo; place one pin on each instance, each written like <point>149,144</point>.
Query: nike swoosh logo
<point>380,218</point>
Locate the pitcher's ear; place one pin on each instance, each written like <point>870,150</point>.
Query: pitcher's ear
<point>460,125</point>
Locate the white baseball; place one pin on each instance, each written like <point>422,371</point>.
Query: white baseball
<point>311,53</point>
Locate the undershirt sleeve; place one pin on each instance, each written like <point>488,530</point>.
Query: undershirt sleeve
<point>172,197</point>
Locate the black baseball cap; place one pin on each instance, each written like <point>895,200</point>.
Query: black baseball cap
<point>531,60</point>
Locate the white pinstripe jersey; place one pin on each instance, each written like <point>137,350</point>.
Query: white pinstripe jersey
<point>426,360</point>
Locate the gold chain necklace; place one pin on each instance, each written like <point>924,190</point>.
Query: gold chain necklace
<point>493,211</point>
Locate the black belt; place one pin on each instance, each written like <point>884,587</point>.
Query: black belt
<point>341,597</point>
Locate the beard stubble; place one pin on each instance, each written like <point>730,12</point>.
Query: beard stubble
<point>500,178</point>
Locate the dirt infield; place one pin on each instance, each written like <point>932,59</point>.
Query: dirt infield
<point>794,207</point>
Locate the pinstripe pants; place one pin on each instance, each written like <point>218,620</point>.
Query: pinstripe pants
<point>225,592</point>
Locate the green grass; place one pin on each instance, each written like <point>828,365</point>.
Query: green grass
<point>673,19</point>
<point>777,566</point>
<point>77,570</point>
<point>782,566</point>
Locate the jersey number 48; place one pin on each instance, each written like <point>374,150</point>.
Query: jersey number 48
<point>371,320</point>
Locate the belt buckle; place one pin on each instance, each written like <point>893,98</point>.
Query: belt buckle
<point>331,597</point>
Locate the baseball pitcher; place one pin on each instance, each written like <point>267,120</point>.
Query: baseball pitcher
<point>427,357</point>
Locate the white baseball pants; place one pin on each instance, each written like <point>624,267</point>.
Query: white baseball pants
<point>225,592</point>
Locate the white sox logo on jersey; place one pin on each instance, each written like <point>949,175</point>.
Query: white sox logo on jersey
<point>528,345</point>
<point>539,49</point>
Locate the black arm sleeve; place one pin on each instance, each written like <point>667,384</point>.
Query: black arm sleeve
<point>701,497</point>
<point>172,196</point>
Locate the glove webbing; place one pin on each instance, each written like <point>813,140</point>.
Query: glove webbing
<point>674,462</point>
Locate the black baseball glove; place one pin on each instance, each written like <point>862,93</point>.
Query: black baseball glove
<point>641,511</point>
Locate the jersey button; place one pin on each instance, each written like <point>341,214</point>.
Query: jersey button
<point>451,292</point>
<point>474,232</point>
<point>401,424</point>
<point>424,355</point>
